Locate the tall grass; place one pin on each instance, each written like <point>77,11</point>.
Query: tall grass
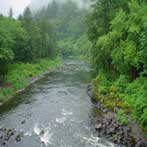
<point>20,74</point>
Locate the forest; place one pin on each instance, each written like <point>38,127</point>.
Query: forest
<point>36,37</point>
<point>118,32</point>
<point>109,34</point>
<point>70,33</point>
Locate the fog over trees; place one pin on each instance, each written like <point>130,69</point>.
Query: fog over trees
<point>110,34</point>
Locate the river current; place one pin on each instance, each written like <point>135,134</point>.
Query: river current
<point>56,111</point>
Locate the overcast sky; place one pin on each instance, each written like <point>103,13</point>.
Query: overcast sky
<point>18,6</point>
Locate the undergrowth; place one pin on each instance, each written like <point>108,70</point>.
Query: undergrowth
<point>129,96</point>
<point>20,74</point>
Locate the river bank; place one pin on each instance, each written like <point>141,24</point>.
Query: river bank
<point>55,111</point>
<point>115,125</point>
<point>22,75</point>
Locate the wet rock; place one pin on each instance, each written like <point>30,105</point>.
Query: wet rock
<point>111,130</point>
<point>89,90</point>
<point>108,127</point>
<point>3,143</point>
<point>23,122</point>
<point>1,136</point>
<point>7,138</point>
<point>141,143</point>
<point>105,110</point>
<point>42,132</point>
<point>98,127</point>
<point>89,87</point>
<point>18,138</point>
<point>117,133</point>
<point>6,134</point>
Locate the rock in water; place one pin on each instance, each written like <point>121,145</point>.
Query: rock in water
<point>18,138</point>
<point>98,127</point>
<point>23,122</point>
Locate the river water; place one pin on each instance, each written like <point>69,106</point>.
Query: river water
<point>56,111</point>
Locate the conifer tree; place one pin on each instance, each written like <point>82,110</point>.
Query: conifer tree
<point>11,12</point>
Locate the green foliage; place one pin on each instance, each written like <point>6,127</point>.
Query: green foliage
<point>33,37</point>
<point>121,83</point>
<point>41,36</point>
<point>103,84</point>
<point>69,31</point>
<point>135,94</point>
<point>119,47</point>
<point>121,118</point>
<point>129,96</point>
<point>20,75</point>
<point>75,47</point>
<point>24,40</point>
<point>6,43</point>
<point>143,119</point>
<point>5,94</point>
<point>117,30</point>
<point>102,51</point>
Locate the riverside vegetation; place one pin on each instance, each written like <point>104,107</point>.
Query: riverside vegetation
<point>117,30</point>
<point>20,76</point>
<point>27,48</point>
<point>31,44</point>
<point>111,34</point>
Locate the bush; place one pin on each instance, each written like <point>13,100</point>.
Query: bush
<point>121,118</point>
<point>104,84</point>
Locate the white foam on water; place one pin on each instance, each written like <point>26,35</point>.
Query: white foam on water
<point>46,138</point>
<point>61,120</point>
<point>64,112</point>
<point>37,130</point>
<point>93,141</point>
<point>76,121</point>
<point>44,134</point>
<point>28,134</point>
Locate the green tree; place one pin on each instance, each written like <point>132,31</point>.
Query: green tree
<point>6,44</point>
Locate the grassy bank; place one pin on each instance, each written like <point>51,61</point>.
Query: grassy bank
<point>20,75</point>
<point>129,97</point>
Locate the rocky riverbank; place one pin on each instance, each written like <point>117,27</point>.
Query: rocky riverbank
<point>108,127</point>
<point>7,135</point>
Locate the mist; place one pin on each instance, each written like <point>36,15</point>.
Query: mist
<point>18,6</point>
<point>38,4</point>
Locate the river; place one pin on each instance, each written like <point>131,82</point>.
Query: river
<point>56,111</point>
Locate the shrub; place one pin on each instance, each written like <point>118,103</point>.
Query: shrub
<point>121,118</point>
